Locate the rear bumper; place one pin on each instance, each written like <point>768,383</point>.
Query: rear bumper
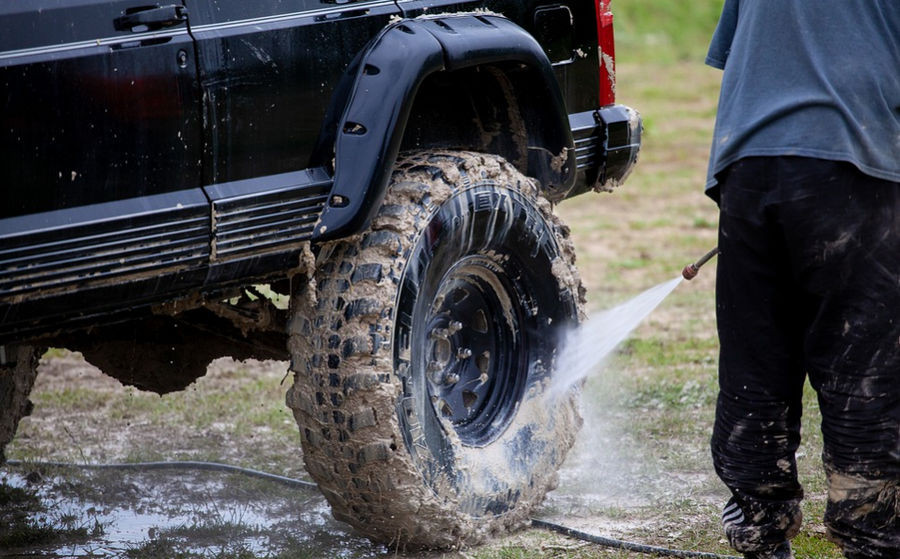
<point>607,143</point>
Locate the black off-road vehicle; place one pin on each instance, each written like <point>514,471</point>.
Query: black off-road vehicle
<point>169,171</point>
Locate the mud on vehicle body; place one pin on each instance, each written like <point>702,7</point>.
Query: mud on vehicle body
<point>388,165</point>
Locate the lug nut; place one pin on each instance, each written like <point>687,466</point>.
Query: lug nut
<point>439,334</point>
<point>463,353</point>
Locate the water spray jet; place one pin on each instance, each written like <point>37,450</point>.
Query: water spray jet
<point>585,348</point>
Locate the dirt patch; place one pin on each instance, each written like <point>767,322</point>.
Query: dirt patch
<point>234,414</point>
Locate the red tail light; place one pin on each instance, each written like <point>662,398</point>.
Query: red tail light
<point>607,50</point>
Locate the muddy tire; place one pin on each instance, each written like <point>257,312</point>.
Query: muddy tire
<point>422,355</point>
<point>17,376</point>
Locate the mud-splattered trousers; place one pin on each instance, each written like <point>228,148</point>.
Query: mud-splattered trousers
<point>809,283</point>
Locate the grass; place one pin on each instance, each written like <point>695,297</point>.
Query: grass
<point>667,30</point>
<point>169,548</point>
<point>221,539</point>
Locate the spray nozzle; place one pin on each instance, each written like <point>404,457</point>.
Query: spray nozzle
<point>690,271</point>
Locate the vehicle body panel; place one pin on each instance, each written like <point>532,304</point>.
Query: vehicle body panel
<point>571,47</point>
<point>267,69</point>
<point>150,153</point>
<point>106,115</point>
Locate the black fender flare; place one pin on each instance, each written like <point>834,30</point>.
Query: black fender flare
<point>375,99</point>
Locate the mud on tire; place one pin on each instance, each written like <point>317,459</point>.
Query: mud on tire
<point>422,355</point>
<point>17,376</point>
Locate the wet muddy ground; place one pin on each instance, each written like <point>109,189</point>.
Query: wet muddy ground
<point>608,485</point>
<point>212,512</point>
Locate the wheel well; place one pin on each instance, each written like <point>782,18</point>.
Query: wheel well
<point>494,108</point>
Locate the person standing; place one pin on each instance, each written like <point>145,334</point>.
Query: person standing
<point>805,164</point>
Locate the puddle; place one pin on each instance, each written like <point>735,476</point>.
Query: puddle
<point>198,512</point>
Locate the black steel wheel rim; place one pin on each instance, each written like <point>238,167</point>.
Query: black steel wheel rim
<point>475,356</point>
<point>486,252</point>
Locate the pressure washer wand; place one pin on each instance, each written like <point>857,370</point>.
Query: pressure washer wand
<point>690,271</point>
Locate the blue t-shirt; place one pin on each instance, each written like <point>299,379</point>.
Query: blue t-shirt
<point>809,78</point>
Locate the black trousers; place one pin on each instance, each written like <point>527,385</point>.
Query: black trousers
<point>809,284</point>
